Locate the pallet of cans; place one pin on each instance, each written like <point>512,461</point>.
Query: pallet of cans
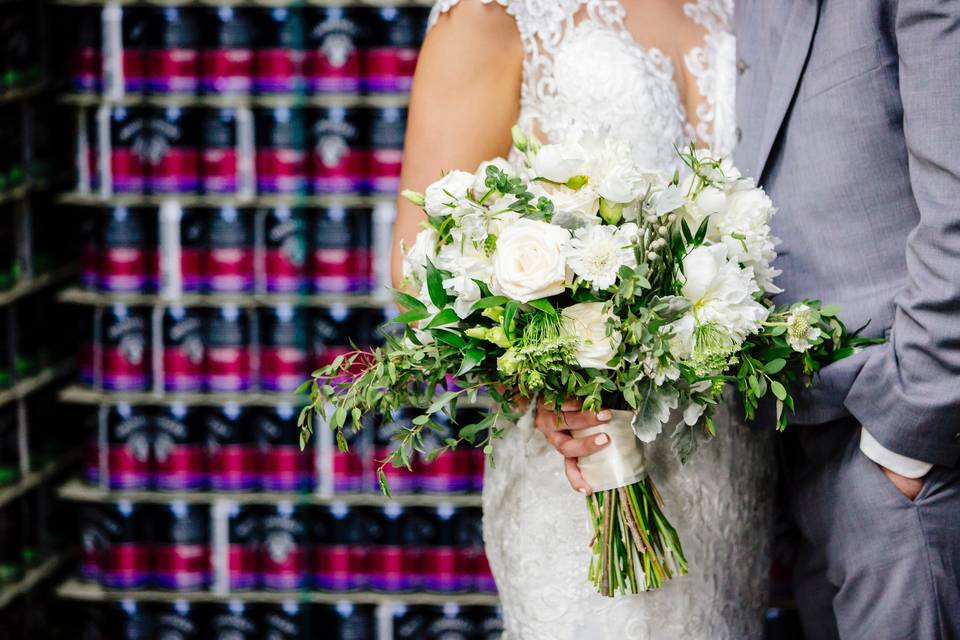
<point>240,151</point>
<point>237,620</point>
<point>318,250</point>
<point>242,51</point>
<point>285,547</point>
<point>223,349</point>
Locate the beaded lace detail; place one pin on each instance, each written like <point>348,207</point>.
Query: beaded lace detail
<point>583,69</point>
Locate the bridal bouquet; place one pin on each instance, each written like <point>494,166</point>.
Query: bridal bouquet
<point>575,273</point>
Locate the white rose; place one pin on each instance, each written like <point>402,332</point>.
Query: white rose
<point>559,162</point>
<point>415,258</point>
<point>447,191</point>
<point>588,322</point>
<point>480,177</point>
<point>572,209</point>
<point>528,263</point>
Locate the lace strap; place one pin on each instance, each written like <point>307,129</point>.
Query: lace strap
<point>441,7</point>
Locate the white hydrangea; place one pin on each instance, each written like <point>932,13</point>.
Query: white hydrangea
<point>596,253</point>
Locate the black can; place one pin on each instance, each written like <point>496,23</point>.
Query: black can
<point>338,158</point>
<point>391,51</point>
<point>345,621</point>
<point>220,159</point>
<point>193,250</point>
<point>342,257</point>
<point>232,455</point>
<point>128,620</point>
<point>283,466</point>
<point>134,27</point>
<point>284,555</point>
<point>245,525</point>
<point>228,350</point>
<point>123,251</point>
<point>181,554</point>
<point>488,622</point>
<point>129,441</point>
<point>227,60</point>
<point>385,143</point>
<point>125,352</point>
<point>90,232</point>
<point>183,351</point>
<point>179,451</point>
<point>285,250</point>
<point>230,259</point>
<point>175,151</point>
<point>173,51</point>
<point>278,60</point>
<point>86,60</point>
<point>234,620</point>
<point>130,146</point>
<point>392,563</point>
<point>280,155</point>
<point>283,348</point>
<point>341,538</point>
<point>284,621</point>
<point>178,620</point>
<point>446,565</point>
<point>469,540</point>
<point>128,554</point>
<point>332,63</point>
<point>93,543</point>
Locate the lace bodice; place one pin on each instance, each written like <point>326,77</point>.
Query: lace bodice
<point>584,69</point>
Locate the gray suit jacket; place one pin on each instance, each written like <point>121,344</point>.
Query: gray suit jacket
<point>849,114</point>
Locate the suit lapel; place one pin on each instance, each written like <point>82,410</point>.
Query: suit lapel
<point>786,72</point>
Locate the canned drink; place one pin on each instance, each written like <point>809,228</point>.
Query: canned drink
<point>220,162</point>
<point>231,450</point>
<point>174,152</point>
<point>386,133</point>
<point>93,543</point>
<point>88,151</point>
<point>88,361</point>
<point>341,535</point>
<point>283,348</point>
<point>280,156</point>
<point>179,451</point>
<point>151,237</point>
<point>330,332</point>
<point>86,62</point>
<point>283,466</point>
<point>183,352</point>
<point>342,260</point>
<point>243,554</point>
<point>284,621</point>
<point>451,472</point>
<point>234,620</point>
<point>125,355</point>
<point>181,554</point>
<point>469,539</point>
<point>230,260</point>
<point>448,622</point>
<point>178,620</point>
<point>284,555</point>
<point>129,440</point>
<point>390,57</point>
<point>134,27</point>
<point>350,466</point>
<point>345,621</point>
<point>285,251</point>
<point>278,60</point>
<point>127,557</point>
<point>488,622</point>
<point>228,350</point>
<point>400,479</point>
<point>130,144</point>
<point>123,256</point>
<point>408,622</point>
<point>172,53</point>
<point>332,61</point>
<point>128,620</point>
<point>194,244</point>
<point>227,62</point>
<point>392,561</point>
<point>90,233</point>
<point>446,565</point>
<point>338,161</point>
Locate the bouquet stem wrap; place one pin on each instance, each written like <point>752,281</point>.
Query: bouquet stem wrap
<point>635,548</point>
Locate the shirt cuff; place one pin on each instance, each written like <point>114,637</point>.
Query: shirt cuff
<point>899,464</point>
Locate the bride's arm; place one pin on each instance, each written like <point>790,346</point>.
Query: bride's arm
<point>465,99</point>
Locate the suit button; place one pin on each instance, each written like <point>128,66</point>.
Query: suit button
<point>739,133</point>
<point>742,66</point>
<point>956,436</point>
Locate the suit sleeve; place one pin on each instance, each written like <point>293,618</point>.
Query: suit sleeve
<point>908,393</point>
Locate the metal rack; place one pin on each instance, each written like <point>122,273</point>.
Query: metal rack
<point>33,577</point>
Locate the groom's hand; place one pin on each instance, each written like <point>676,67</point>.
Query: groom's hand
<point>910,487</point>
<point>556,429</point>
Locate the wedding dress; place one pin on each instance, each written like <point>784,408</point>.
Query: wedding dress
<point>583,68</point>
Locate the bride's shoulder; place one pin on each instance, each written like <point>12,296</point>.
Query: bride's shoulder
<point>532,16</point>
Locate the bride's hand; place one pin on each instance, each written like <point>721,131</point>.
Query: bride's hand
<point>557,432</point>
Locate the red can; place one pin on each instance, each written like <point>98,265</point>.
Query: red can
<point>228,350</point>
<point>173,51</point>
<point>333,59</point>
<point>227,61</point>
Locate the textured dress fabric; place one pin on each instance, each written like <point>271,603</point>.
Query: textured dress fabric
<point>583,69</point>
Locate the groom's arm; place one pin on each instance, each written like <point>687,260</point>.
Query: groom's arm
<point>907,395</point>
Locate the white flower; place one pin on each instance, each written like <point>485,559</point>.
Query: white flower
<point>597,252</point>
<point>669,199</point>
<point>692,413</point>
<point>721,292</point>
<point>528,263</point>
<point>415,258</point>
<point>659,372</point>
<point>443,196</point>
<point>573,208</point>
<point>466,263</point>
<point>480,176</point>
<point>744,226</point>
<point>588,322</point>
<point>800,333</point>
<point>500,217</point>
<point>560,162</point>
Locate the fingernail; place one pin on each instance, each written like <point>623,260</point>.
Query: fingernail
<point>601,439</point>
<point>583,491</point>
<point>604,414</point>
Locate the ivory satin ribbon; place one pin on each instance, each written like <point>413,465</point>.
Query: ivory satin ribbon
<point>620,463</point>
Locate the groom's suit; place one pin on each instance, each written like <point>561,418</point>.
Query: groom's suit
<point>849,114</point>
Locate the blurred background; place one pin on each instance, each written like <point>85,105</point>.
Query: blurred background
<point>195,211</point>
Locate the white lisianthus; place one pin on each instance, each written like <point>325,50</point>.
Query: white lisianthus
<point>528,263</point>
<point>572,208</point>
<point>480,176</point>
<point>668,200</point>
<point>466,263</point>
<point>415,258</point>
<point>801,334</point>
<point>721,292</point>
<point>560,162</point>
<point>597,252</point>
<point>444,195</point>
<point>587,322</point>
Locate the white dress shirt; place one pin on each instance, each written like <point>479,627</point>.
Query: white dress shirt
<point>906,467</point>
